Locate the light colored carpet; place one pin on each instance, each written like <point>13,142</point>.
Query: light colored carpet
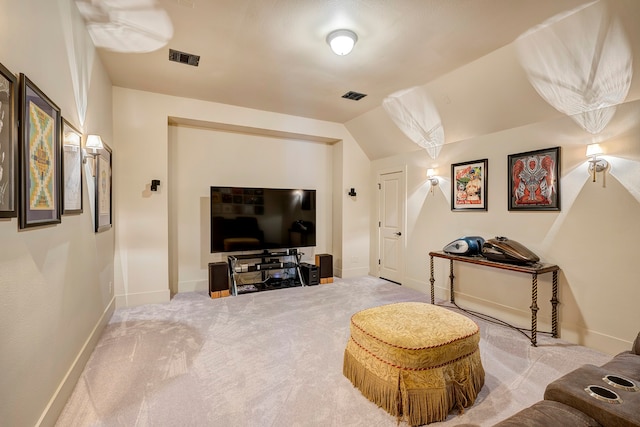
<point>275,359</point>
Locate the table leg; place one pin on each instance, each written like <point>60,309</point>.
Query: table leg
<point>232,269</point>
<point>451,276</point>
<point>554,306</point>
<point>534,309</point>
<point>432,280</point>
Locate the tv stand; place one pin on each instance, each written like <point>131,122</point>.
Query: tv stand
<point>265,271</point>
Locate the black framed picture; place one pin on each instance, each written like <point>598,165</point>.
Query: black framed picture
<point>103,211</point>
<point>534,180</point>
<point>39,157</point>
<point>469,185</point>
<point>8,143</point>
<point>72,168</point>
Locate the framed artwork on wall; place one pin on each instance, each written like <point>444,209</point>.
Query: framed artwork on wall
<point>103,191</point>
<point>39,157</point>
<point>8,143</point>
<point>469,185</point>
<point>72,168</point>
<point>534,180</point>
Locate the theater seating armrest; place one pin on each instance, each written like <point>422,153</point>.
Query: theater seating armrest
<point>626,364</point>
<point>549,413</point>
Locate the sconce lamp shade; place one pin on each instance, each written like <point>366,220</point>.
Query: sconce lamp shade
<point>432,178</point>
<point>593,150</point>
<point>342,41</point>
<point>595,164</point>
<point>94,143</point>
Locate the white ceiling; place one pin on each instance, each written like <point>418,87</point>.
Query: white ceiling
<point>272,55</point>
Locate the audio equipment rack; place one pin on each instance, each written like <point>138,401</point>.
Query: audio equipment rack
<point>265,271</point>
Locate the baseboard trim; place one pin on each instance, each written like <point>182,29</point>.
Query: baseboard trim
<point>142,298</point>
<point>351,272</point>
<point>596,340</point>
<point>570,332</point>
<point>416,285</point>
<point>193,286</point>
<point>63,392</point>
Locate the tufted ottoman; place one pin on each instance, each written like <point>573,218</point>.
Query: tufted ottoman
<point>417,361</point>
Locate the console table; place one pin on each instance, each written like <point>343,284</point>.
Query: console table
<point>533,269</point>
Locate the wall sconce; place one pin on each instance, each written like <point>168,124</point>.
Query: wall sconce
<point>342,41</point>
<point>154,184</point>
<point>432,178</point>
<point>352,192</point>
<point>595,164</point>
<point>91,148</point>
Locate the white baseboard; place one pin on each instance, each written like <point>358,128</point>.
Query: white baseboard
<point>63,392</point>
<point>351,272</point>
<point>592,339</point>
<point>132,300</point>
<point>570,332</point>
<point>193,286</point>
<point>416,285</point>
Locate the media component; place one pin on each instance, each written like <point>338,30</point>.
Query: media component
<point>245,218</point>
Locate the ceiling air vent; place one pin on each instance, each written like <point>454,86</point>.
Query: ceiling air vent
<point>183,57</point>
<point>354,95</point>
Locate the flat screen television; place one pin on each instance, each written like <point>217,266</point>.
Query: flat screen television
<point>244,219</point>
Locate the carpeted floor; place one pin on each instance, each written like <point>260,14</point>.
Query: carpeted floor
<point>275,359</point>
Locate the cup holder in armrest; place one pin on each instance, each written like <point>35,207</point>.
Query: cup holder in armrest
<point>603,394</point>
<point>620,382</point>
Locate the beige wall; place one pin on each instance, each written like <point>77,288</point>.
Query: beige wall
<point>149,223</point>
<point>591,239</point>
<point>55,280</point>
<point>354,211</point>
<point>489,110</point>
<point>200,158</point>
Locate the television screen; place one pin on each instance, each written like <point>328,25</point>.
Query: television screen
<point>262,218</point>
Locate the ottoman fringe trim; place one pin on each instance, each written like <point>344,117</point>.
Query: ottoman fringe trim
<point>417,406</point>
<point>383,393</point>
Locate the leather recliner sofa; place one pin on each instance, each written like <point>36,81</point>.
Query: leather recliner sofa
<point>590,396</point>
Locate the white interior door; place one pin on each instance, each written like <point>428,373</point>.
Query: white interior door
<point>391,223</point>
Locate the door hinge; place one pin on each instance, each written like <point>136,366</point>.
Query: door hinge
<point>378,262</point>
<point>379,186</point>
<point>379,224</point>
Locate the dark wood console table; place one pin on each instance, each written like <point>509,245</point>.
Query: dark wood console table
<point>533,269</point>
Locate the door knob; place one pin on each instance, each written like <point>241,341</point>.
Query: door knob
<point>398,234</point>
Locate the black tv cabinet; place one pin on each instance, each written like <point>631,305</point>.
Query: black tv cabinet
<point>265,271</point>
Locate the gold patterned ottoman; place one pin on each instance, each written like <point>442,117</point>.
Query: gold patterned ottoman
<point>417,361</point>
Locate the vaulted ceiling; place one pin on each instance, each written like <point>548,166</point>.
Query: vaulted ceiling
<point>272,55</point>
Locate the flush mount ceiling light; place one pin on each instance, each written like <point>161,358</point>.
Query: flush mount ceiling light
<point>342,41</point>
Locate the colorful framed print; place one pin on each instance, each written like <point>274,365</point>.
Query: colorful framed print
<point>103,190</point>
<point>8,143</point>
<point>71,168</point>
<point>39,153</point>
<point>534,180</point>
<point>469,185</point>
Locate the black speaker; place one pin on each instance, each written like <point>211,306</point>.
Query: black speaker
<point>309,274</point>
<point>325,266</point>
<point>218,277</point>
